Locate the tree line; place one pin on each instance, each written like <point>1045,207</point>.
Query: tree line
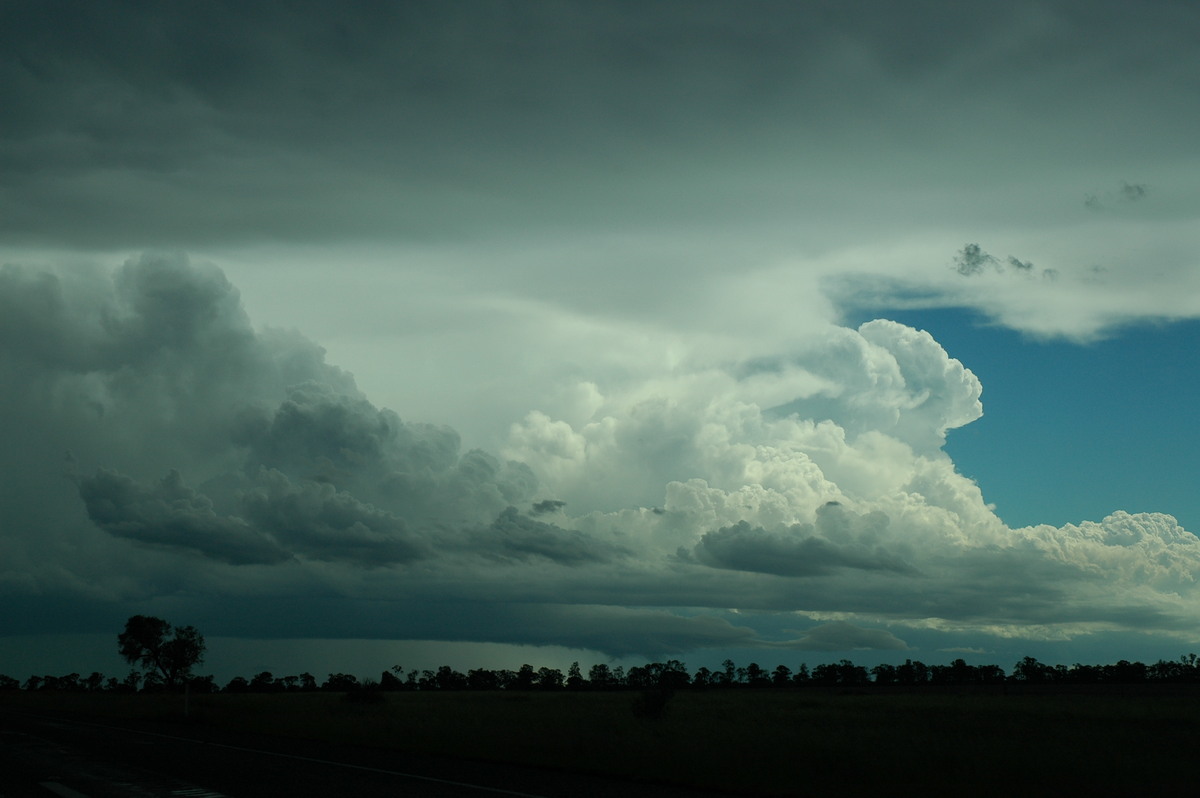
<point>167,656</point>
<point>671,674</point>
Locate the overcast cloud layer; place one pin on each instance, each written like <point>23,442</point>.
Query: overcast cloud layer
<point>582,271</point>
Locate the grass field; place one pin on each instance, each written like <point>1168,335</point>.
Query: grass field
<point>771,742</point>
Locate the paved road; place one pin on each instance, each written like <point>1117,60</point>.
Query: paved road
<point>44,756</point>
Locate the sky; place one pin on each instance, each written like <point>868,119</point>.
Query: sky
<point>486,333</point>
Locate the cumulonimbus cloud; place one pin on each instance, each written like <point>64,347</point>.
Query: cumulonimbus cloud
<point>811,482</point>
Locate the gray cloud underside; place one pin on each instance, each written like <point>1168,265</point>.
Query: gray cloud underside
<point>172,515</point>
<point>118,111</point>
<point>801,551</point>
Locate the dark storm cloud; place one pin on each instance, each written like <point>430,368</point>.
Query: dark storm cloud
<point>172,515</point>
<point>276,519</point>
<point>319,431</point>
<point>745,548</point>
<point>547,506</point>
<point>323,434</point>
<point>155,308</point>
<point>516,536</point>
<point>838,540</point>
<point>156,370</point>
<point>321,522</point>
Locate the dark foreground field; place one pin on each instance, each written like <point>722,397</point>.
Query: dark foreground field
<point>754,742</point>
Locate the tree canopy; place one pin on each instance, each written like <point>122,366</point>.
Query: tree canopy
<point>168,652</point>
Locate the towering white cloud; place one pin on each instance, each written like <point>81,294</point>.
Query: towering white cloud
<point>228,461</point>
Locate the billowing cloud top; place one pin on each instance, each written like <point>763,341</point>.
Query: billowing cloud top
<point>208,457</point>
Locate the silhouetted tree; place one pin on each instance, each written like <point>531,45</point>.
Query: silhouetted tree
<point>825,674</point>
<point>1031,671</point>
<point>237,684</point>
<point>9,683</point>
<point>957,672</point>
<point>68,683</point>
<point>601,677</point>
<point>728,673</point>
<point>449,679</point>
<point>483,679</point>
<point>524,678</point>
<point>912,672</point>
<point>340,683</point>
<point>365,692</point>
<point>657,682</point>
<point>675,673</point>
<point>990,674</point>
<point>844,673</point>
<point>1126,672</point>
<point>884,674</point>
<point>549,678</point>
<point>756,676</point>
<point>1085,674</point>
<point>669,675</point>
<point>171,652</point>
<point>203,684</point>
<point>264,683</point>
<point>153,682</point>
<point>575,678</point>
<point>781,676</point>
<point>802,675</point>
<point>638,678</point>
